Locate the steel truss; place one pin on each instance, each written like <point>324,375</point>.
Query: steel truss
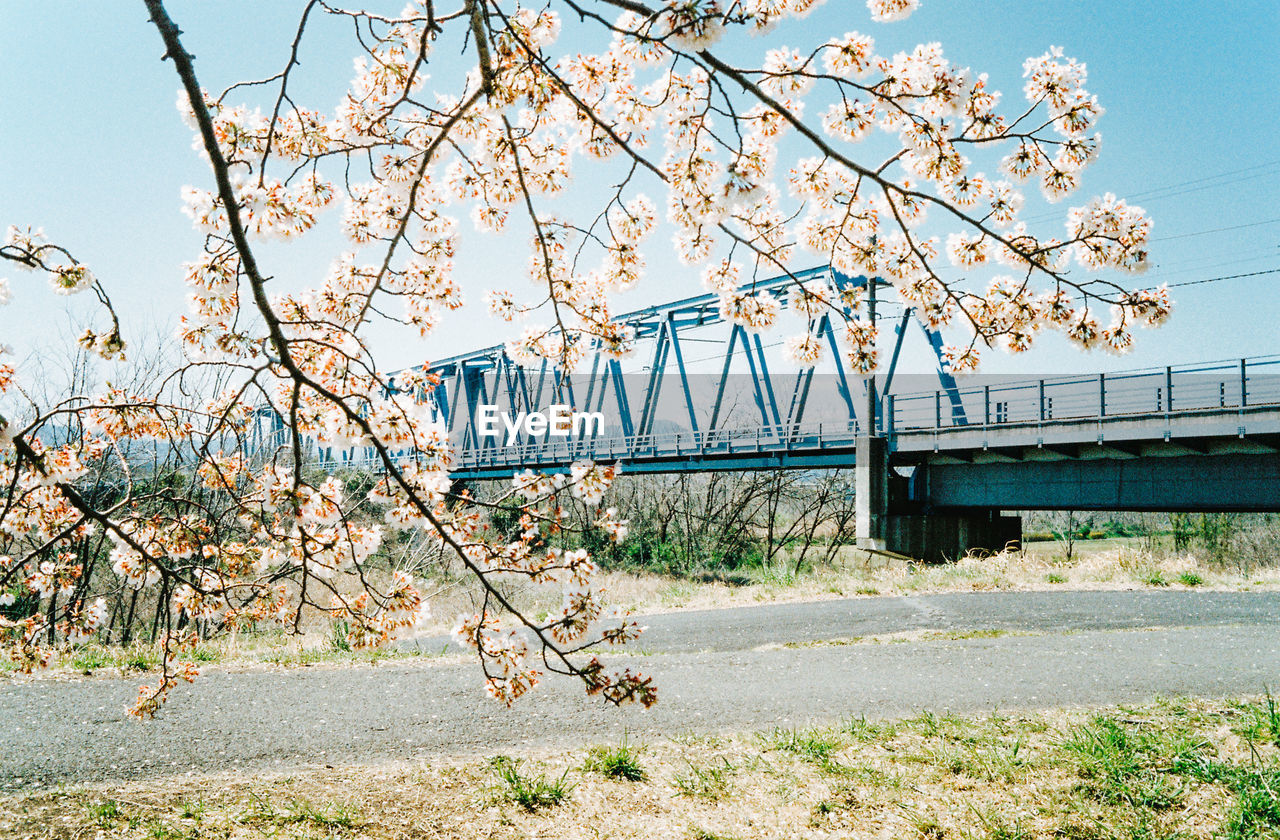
<point>490,377</point>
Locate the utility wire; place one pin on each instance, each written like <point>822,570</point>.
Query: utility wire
<point>881,316</point>
<point>1162,192</point>
<point>1216,230</point>
<point>1225,277</point>
<point>1179,187</point>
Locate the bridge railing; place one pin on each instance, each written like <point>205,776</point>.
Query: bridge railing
<point>721,442</point>
<point>1238,383</point>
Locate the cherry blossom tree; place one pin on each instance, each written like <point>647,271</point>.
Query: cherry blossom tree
<point>905,167</point>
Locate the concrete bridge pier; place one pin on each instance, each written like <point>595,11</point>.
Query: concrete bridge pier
<point>945,536</point>
<point>871,492</point>
<point>885,519</point>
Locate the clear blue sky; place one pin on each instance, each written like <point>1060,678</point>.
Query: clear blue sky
<point>91,148</point>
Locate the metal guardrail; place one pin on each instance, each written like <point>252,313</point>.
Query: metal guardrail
<point>824,435</point>
<point>1170,391</point>
<point>1236,384</point>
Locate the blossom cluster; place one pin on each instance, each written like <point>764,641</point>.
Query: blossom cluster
<point>740,166</point>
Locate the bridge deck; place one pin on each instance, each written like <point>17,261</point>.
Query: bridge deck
<point>1229,408</point>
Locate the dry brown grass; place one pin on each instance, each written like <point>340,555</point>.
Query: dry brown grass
<point>928,777</point>
<point>1101,564</point>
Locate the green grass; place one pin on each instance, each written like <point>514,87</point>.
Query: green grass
<point>270,648</point>
<point>995,826</point>
<point>529,792</point>
<point>337,640</point>
<point>135,657</point>
<point>1129,764</point>
<point>90,659</point>
<point>105,814</point>
<point>1255,813</point>
<point>677,594</point>
<point>814,746</point>
<point>1190,579</point>
<point>706,781</point>
<point>1170,769</point>
<point>1054,577</point>
<point>620,762</point>
<point>991,761</point>
<point>202,653</point>
<point>1261,721</point>
<point>160,830</point>
<point>775,574</point>
<point>696,833</point>
<point>895,639</point>
<point>1154,578</point>
<point>1257,808</point>
<point>138,656</point>
<point>192,811</point>
<point>301,812</point>
<point>932,725</point>
<point>862,730</point>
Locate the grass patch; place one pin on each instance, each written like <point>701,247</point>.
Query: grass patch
<point>1261,721</point>
<point>816,746</point>
<point>529,792</point>
<point>332,648</point>
<point>1256,812</point>
<point>910,636</point>
<point>339,656</point>
<point>1127,764</point>
<point>1186,769</point>
<point>709,780</point>
<point>774,574</point>
<point>996,761</point>
<point>620,762</point>
<point>132,658</point>
<point>301,812</point>
<point>1190,579</point>
<point>105,814</point>
<point>1154,578</point>
<point>696,833</point>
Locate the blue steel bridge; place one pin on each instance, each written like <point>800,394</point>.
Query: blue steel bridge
<point>936,458</point>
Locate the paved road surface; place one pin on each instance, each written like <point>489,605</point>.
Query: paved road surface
<point>716,670</point>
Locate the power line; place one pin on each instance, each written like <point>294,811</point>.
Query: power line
<point>887,316</point>
<point>1161,196</point>
<point>1162,192</point>
<point>1216,230</point>
<point>1225,277</point>
<point>1178,185</point>
<point>1206,264</point>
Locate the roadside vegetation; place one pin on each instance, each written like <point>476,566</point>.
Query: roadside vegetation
<point>1185,769</point>
<point>1100,563</point>
<point>719,540</point>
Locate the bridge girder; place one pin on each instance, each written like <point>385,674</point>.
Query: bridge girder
<point>489,375</point>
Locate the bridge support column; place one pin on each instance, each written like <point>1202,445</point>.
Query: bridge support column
<point>948,535</point>
<point>871,492</point>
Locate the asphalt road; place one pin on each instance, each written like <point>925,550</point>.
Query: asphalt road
<point>717,670</point>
